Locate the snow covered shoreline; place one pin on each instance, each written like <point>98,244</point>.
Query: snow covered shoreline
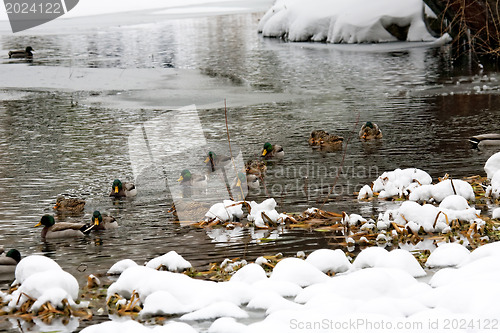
<point>348,22</point>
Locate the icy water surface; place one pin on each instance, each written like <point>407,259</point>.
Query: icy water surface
<point>59,141</point>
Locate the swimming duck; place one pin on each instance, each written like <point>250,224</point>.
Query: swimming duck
<point>9,260</point>
<point>119,189</point>
<point>214,161</point>
<point>22,53</point>
<point>331,142</point>
<point>490,139</point>
<point>272,151</point>
<point>188,179</point>
<point>69,204</point>
<point>315,136</point>
<point>256,167</point>
<point>370,131</point>
<point>51,229</point>
<point>100,222</point>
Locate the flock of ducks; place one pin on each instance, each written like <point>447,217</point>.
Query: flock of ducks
<point>254,172</point>
<point>51,229</point>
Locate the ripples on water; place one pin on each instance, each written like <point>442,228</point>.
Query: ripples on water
<point>51,147</point>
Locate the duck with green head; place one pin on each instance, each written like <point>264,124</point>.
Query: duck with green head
<point>26,53</point>
<point>9,260</point>
<point>272,151</point>
<point>120,190</point>
<point>214,161</point>
<point>100,222</point>
<point>51,229</point>
<point>370,131</point>
<point>189,179</point>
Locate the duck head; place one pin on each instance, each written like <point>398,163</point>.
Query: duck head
<point>14,254</point>
<point>117,186</point>
<point>96,218</point>
<point>211,156</point>
<point>267,148</point>
<point>47,221</point>
<point>185,176</point>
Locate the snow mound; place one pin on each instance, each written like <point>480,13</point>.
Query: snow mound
<point>381,258</point>
<point>33,264</point>
<point>52,285</point>
<point>365,193</point>
<point>298,271</point>
<point>171,260</point>
<point>120,266</point>
<point>492,165</point>
<point>327,260</point>
<point>345,21</point>
<point>225,211</point>
<point>448,255</point>
<point>400,182</point>
<point>216,310</point>
<point>430,218</point>
<point>265,212</point>
<point>249,274</point>
<point>441,190</point>
<point>493,189</point>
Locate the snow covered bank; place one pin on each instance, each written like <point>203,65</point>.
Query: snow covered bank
<point>378,285</point>
<point>347,21</point>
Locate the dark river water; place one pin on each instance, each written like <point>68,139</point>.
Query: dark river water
<point>52,142</point>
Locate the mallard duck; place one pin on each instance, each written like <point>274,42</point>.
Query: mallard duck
<point>100,222</point>
<point>188,179</point>
<point>73,205</point>
<point>315,137</point>
<point>9,260</point>
<point>51,229</point>
<point>490,139</point>
<point>370,131</point>
<point>272,151</point>
<point>214,161</point>
<point>119,189</point>
<point>22,53</point>
<point>256,167</point>
<point>331,142</point>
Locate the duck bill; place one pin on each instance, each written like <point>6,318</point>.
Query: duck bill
<point>180,179</point>
<point>264,152</point>
<point>96,221</point>
<point>56,206</point>
<point>207,159</point>
<point>116,189</point>
<point>38,224</point>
